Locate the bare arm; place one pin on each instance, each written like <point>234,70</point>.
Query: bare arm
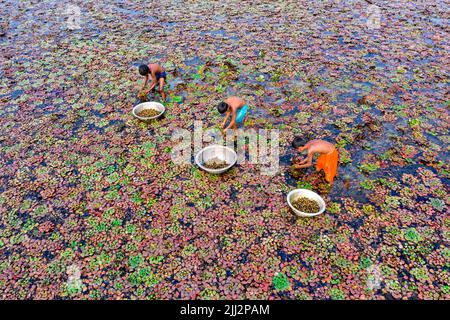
<point>145,82</point>
<point>306,163</point>
<point>226,119</point>
<point>297,161</point>
<point>232,122</point>
<point>153,84</point>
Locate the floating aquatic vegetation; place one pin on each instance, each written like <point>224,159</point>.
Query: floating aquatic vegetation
<point>148,113</point>
<point>142,96</point>
<point>306,205</point>
<point>84,184</point>
<point>281,282</point>
<point>215,163</point>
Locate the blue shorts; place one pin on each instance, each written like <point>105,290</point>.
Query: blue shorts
<point>160,75</point>
<point>240,115</point>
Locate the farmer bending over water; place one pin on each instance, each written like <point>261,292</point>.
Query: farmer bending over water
<point>235,107</point>
<point>328,159</point>
<point>158,75</point>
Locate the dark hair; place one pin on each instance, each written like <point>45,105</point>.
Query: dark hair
<point>144,70</point>
<point>298,142</point>
<point>222,107</point>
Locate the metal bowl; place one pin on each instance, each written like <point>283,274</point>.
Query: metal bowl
<point>216,151</point>
<point>294,194</point>
<point>148,105</point>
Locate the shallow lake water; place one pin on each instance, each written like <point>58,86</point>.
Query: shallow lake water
<point>85,187</point>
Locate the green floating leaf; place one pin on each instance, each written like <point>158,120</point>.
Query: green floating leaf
<point>281,282</point>
<point>412,235</point>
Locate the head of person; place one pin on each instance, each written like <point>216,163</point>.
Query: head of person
<point>299,142</point>
<point>222,107</point>
<point>144,70</point>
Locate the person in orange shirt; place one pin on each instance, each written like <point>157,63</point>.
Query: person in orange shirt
<point>327,161</point>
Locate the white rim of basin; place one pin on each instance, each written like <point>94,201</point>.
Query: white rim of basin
<point>307,194</point>
<point>148,105</point>
<point>216,171</point>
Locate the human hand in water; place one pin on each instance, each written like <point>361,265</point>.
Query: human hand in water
<point>297,159</point>
<point>301,163</point>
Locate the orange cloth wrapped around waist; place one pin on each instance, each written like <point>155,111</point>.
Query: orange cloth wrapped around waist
<point>329,163</point>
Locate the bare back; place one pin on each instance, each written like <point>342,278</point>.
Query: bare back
<point>320,146</point>
<point>155,68</point>
<point>235,103</point>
